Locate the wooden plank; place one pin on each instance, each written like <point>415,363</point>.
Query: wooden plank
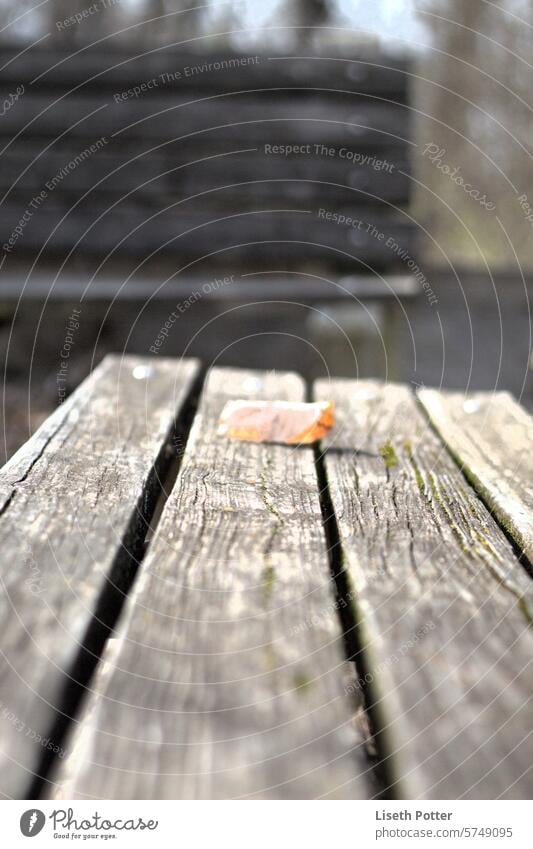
<point>73,502</point>
<point>491,438</point>
<point>116,70</point>
<point>240,288</point>
<point>444,605</point>
<point>226,678</point>
<point>194,229</point>
<point>258,118</point>
<point>23,170</point>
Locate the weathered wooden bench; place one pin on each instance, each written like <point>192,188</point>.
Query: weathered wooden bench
<point>119,162</point>
<point>131,178</point>
<point>106,154</point>
<point>186,616</point>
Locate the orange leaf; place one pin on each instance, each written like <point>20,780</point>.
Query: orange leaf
<point>276,421</point>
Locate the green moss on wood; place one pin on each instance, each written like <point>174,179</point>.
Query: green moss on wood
<point>302,681</point>
<point>264,489</point>
<point>268,580</point>
<point>389,455</point>
<point>408,448</point>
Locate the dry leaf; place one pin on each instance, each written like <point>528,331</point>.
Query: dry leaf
<point>276,421</point>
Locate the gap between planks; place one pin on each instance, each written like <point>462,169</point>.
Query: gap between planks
<point>108,611</point>
<point>54,491</point>
<point>456,596</point>
<point>488,434</point>
<point>120,581</point>
<point>254,707</point>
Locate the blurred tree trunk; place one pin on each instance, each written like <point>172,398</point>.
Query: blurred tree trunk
<point>458,44</point>
<point>109,18</point>
<point>306,16</point>
<point>58,11</point>
<point>171,28</point>
<point>312,14</point>
<point>475,88</point>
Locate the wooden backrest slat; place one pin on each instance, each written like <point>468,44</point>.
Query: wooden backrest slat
<point>227,236</point>
<point>443,603</point>
<point>179,71</point>
<point>74,502</point>
<point>206,120</point>
<point>154,176</point>
<point>254,119</point>
<point>247,287</point>
<point>226,679</point>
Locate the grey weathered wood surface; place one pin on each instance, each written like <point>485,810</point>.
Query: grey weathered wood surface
<point>445,605</point>
<point>68,499</point>
<point>491,438</point>
<point>226,679</point>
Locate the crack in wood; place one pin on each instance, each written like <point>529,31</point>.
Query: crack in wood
<point>32,464</point>
<point>353,637</point>
<point>117,586</point>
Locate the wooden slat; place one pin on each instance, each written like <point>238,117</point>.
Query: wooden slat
<point>70,498</point>
<point>445,606</point>
<point>491,437</point>
<point>247,287</point>
<point>239,236</point>
<point>226,678</point>
<point>257,118</point>
<point>153,176</point>
<point>116,70</point>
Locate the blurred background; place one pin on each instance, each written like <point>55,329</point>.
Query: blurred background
<point>330,186</point>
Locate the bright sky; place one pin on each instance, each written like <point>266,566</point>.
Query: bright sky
<point>388,18</point>
<point>393,20</point>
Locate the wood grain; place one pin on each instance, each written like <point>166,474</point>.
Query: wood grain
<point>445,606</point>
<point>226,679</point>
<point>491,437</point>
<point>76,493</point>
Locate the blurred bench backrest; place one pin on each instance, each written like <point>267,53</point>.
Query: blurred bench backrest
<point>236,160</point>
